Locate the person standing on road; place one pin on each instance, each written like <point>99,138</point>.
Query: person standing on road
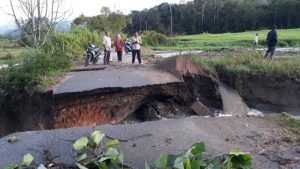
<point>119,43</point>
<point>255,44</point>
<point>271,42</point>
<point>107,48</point>
<point>136,42</point>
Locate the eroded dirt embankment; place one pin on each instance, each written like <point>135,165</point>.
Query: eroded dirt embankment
<point>270,92</point>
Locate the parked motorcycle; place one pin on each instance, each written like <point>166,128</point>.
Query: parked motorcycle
<point>92,54</point>
<point>128,46</point>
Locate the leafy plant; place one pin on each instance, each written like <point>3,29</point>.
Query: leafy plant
<point>91,152</point>
<point>193,159</point>
<point>28,162</point>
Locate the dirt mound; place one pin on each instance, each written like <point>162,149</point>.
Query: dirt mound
<point>180,66</point>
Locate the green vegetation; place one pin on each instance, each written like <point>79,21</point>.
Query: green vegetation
<point>287,38</point>
<point>74,43</point>
<point>93,153</point>
<point>287,66</point>
<point>151,38</point>
<point>193,159</point>
<point>114,22</point>
<point>35,72</point>
<point>10,50</point>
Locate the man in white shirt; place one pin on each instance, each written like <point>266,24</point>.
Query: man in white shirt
<point>255,42</point>
<point>136,42</point>
<point>107,48</point>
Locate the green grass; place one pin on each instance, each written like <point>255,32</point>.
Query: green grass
<point>253,63</point>
<point>10,51</point>
<point>287,38</point>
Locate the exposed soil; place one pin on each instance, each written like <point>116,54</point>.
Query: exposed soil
<point>279,92</point>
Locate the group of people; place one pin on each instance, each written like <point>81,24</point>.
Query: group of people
<point>272,39</point>
<point>136,42</point>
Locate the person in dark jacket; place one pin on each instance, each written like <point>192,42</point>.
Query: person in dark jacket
<point>271,42</point>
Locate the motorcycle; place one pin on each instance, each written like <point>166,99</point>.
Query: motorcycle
<point>92,54</point>
<point>128,46</point>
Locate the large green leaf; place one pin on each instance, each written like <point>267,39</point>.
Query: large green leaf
<point>179,164</point>
<point>187,163</point>
<point>11,166</point>
<point>27,159</point>
<point>198,164</point>
<point>81,143</point>
<point>112,153</point>
<point>104,159</point>
<point>112,143</point>
<point>198,149</point>
<point>81,157</point>
<point>121,157</point>
<point>161,161</point>
<point>97,137</point>
<point>240,159</point>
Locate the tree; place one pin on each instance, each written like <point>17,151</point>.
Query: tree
<point>37,19</point>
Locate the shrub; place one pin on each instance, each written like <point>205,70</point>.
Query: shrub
<point>152,38</point>
<point>74,43</point>
<point>33,73</point>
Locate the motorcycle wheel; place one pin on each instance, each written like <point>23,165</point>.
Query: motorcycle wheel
<point>95,61</point>
<point>87,60</point>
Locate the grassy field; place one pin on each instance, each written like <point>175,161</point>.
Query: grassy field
<point>287,38</point>
<point>252,63</point>
<point>10,50</point>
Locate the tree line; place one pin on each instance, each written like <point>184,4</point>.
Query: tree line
<point>198,16</point>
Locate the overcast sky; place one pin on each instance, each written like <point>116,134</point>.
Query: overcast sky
<point>91,7</point>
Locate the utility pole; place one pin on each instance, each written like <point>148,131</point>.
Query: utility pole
<point>171,19</point>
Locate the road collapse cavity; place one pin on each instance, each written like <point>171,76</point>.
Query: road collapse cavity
<point>196,93</point>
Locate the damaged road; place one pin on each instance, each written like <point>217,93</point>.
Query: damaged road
<point>272,147</point>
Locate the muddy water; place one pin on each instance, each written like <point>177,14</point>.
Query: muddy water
<point>232,102</point>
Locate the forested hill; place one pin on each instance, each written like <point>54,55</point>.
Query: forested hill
<point>213,16</point>
<point>216,16</point>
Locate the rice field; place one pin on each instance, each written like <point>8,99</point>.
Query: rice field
<point>286,38</point>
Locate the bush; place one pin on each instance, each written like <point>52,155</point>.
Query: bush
<point>20,80</point>
<point>152,38</point>
<point>74,43</point>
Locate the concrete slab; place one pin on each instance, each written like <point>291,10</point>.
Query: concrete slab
<point>126,77</point>
<point>167,136</point>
